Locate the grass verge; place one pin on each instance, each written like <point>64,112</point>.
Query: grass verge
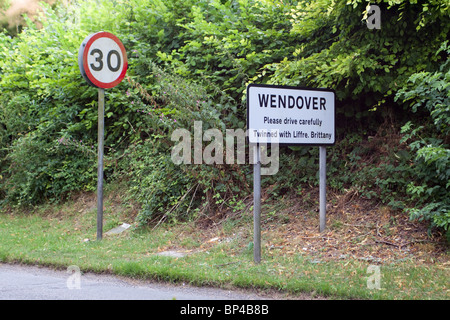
<point>220,255</point>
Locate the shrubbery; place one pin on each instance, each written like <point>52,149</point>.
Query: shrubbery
<point>428,94</point>
<point>191,60</point>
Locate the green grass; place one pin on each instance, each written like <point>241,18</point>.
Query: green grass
<point>58,240</point>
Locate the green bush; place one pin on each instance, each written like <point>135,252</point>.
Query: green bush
<point>42,169</point>
<point>158,185</point>
<point>40,103</point>
<point>43,100</point>
<point>428,93</point>
<point>191,61</point>
<point>365,67</point>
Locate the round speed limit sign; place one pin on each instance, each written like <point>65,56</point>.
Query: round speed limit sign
<point>102,60</point>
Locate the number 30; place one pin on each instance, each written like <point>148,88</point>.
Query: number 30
<point>99,60</point>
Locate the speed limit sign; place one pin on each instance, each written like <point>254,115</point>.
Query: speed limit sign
<point>102,60</point>
<point>103,63</point>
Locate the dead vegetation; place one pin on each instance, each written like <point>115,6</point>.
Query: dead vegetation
<point>357,229</point>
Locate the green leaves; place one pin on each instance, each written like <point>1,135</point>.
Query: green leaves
<point>340,52</point>
<point>429,94</point>
<point>191,60</point>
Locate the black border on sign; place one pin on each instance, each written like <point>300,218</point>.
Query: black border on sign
<point>80,60</point>
<point>292,88</point>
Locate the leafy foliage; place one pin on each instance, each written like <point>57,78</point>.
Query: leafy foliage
<point>191,61</point>
<point>428,93</point>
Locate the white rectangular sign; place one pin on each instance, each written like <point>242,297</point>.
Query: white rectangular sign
<point>290,115</point>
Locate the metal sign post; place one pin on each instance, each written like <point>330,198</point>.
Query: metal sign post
<point>101,139</point>
<point>257,205</point>
<point>322,187</point>
<point>103,63</point>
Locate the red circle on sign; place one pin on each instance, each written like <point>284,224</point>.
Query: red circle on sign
<point>123,60</point>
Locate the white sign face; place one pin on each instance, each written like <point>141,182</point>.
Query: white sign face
<point>103,60</point>
<point>290,116</point>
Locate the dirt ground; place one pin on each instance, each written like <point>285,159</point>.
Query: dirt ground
<point>355,228</point>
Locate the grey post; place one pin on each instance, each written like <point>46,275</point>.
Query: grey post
<point>322,186</point>
<point>101,133</point>
<point>257,205</point>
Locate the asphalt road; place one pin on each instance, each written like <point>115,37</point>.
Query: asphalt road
<point>18,282</point>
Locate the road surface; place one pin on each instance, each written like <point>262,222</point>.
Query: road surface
<point>18,282</point>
